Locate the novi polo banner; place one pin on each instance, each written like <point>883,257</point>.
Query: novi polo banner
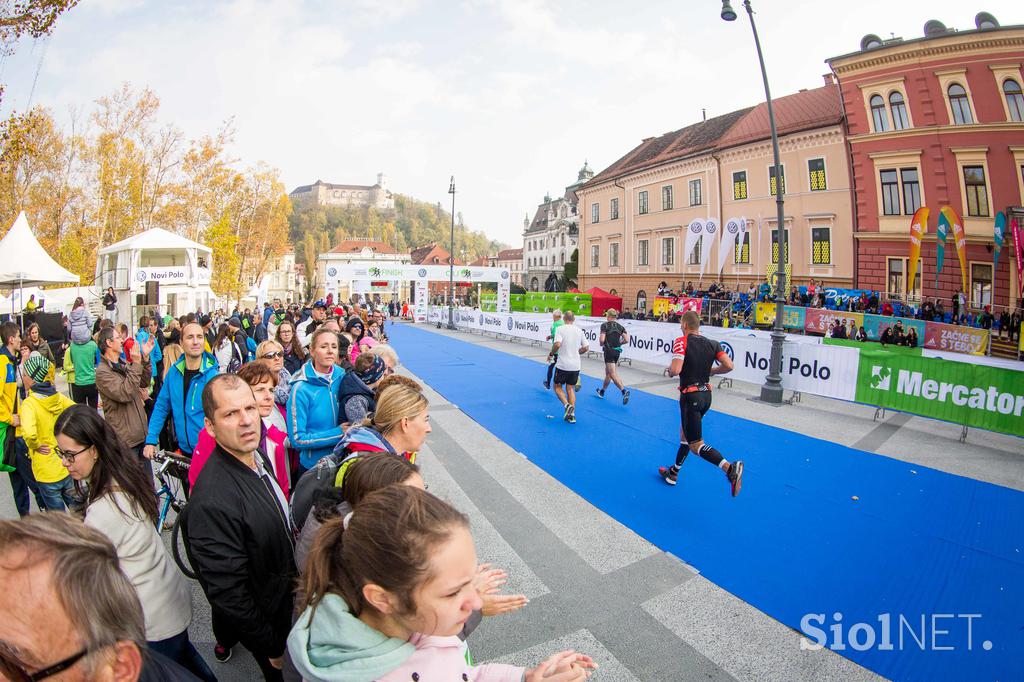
<point>997,239</point>
<point>918,225</point>
<point>693,233</point>
<point>960,239</point>
<point>940,243</point>
<point>959,392</point>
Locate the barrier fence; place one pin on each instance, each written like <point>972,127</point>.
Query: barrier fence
<point>962,392</point>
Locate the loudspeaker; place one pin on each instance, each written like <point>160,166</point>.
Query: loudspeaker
<point>140,299</point>
<point>51,326</point>
<point>152,292</point>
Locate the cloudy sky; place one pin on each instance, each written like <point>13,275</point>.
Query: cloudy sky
<point>510,96</point>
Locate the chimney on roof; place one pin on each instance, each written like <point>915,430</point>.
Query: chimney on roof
<point>802,90</point>
<point>704,115</point>
<point>828,78</point>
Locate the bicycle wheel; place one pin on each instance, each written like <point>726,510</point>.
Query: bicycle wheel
<point>178,549</point>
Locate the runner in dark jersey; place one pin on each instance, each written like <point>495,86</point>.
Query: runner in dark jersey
<point>694,359</point>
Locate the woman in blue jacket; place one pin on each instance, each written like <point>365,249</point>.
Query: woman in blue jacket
<point>314,420</point>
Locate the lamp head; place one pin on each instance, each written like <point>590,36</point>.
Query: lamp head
<point>728,13</point>
<point>451,187</point>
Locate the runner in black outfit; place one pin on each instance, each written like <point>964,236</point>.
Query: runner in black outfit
<point>693,361</point>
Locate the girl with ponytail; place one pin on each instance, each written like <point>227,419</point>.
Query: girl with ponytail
<point>388,588</point>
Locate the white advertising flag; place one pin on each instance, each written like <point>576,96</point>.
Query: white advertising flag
<point>693,234</point>
<point>710,235</point>
<point>727,242</point>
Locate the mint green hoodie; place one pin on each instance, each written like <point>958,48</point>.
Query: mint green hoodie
<point>335,646</point>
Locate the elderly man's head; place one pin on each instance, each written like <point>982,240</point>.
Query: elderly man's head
<point>66,602</point>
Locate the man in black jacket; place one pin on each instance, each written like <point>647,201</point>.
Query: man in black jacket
<point>238,535</point>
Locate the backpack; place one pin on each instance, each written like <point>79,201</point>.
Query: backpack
<point>613,336</point>
<point>328,474</point>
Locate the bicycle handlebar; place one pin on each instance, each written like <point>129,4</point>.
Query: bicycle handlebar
<point>166,459</point>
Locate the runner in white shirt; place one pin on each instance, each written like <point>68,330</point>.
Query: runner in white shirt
<point>569,344</point>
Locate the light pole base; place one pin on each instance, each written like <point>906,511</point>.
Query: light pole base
<point>771,395</point>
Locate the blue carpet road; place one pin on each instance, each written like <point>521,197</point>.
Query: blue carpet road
<point>942,555</point>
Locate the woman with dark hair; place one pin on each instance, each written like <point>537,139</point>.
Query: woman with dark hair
<point>229,355</point>
<point>120,503</point>
<point>36,342</point>
<point>294,354</point>
<point>110,304</point>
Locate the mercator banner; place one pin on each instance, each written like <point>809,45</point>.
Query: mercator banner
<point>959,392</point>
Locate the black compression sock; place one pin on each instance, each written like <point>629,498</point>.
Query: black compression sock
<point>709,454</point>
<point>681,453</point>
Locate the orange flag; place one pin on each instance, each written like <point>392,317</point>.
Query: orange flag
<point>918,225</point>
<point>960,237</point>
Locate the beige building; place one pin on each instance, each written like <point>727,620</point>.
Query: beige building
<point>282,280</point>
<point>322,193</point>
<point>513,260</point>
<point>635,212</point>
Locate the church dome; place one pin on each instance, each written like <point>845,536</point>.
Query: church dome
<point>585,173</point>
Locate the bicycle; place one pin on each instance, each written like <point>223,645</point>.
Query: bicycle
<point>167,496</point>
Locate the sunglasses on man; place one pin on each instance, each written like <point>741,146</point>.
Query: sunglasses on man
<point>14,670</point>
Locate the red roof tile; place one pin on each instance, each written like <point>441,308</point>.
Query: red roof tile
<point>355,245</point>
<point>793,113</point>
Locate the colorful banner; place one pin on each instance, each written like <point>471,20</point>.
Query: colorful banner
<point>818,320</point>
<point>918,225</point>
<point>940,243</point>
<point>939,336</point>
<point>1018,249</point>
<point>959,392</point>
<point>960,239</point>
<point>663,304</point>
<point>793,316</point>
<point>874,325</point>
<point>997,239</point>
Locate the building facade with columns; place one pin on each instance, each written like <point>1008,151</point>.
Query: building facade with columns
<point>931,121</point>
<point>635,212</point>
<point>552,235</point>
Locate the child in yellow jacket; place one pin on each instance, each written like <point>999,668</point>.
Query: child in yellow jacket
<point>39,412</point>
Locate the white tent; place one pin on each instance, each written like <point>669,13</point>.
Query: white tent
<point>26,262</point>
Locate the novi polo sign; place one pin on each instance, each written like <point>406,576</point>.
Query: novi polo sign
<point>161,275</point>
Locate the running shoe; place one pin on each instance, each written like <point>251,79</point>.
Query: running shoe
<point>579,386</point>
<point>221,653</point>
<point>625,396</point>
<point>600,393</point>
<point>565,414</point>
<point>668,475</point>
<point>570,414</point>
<point>735,476</point>
<point>547,385</point>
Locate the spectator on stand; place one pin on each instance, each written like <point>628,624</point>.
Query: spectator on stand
<point>911,338</point>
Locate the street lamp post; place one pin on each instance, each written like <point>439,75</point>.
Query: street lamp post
<point>451,262</point>
<point>771,391</point>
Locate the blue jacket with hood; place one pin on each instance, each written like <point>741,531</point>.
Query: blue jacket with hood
<point>187,411</point>
<point>314,420</point>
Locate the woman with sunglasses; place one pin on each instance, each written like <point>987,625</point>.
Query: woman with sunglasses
<point>121,503</point>
<point>294,354</point>
<point>361,343</point>
<point>271,353</point>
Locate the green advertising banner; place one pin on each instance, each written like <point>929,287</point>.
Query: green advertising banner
<point>963,393</point>
<point>545,301</point>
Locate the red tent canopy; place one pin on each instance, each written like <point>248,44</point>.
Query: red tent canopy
<point>601,301</point>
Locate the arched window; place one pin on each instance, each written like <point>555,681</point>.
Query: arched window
<point>613,292</point>
<point>641,300</point>
<point>534,284</point>
<point>878,115</point>
<point>1014,99</point>
<point>959,104</point>
<point>899,111</point>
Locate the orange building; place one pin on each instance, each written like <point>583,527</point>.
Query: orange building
<point>634,213</point>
